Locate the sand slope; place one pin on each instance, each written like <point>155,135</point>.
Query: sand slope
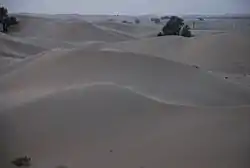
<point>17,48</point>
<point>13,50</point>
<point>77,30</point>
<point>79,127</point>
<point>166,80</point>
<point>225,52</point>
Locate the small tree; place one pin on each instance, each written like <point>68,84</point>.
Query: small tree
<point>5,20</point>
<point>175,26</point>
<point>110,20</point>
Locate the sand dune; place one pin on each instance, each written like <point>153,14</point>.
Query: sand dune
<point>135,30</point>
<point>13,50</point>
<point>64,30</point>
<point>79,127</point>
<point>166,80</point>
<point>85,91</point>
<point>224,52</point>
<point>16,47</point>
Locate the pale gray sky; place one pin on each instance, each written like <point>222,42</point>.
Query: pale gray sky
<point>129,6</point>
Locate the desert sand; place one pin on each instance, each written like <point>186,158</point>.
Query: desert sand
<point>91,91</point>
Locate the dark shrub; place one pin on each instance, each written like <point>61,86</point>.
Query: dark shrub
<point>12,21</point>
<point>201,19</point>
<point>22,161</point>
<point>137,21</point>
<point>127,22</point>
<point>175,26</point>
<point>156,20</point>
<point>61,166</point>
<point>160,34</point>
<point>185,31</point>
<point>165,17</point>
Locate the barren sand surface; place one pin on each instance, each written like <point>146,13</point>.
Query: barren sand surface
<point>223,52</point>
<point>93,91</point>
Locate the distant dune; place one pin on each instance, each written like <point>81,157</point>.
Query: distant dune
<point>225,52</point>
<point>166,80</point>
<point>132,29</point>
<point>64,30</point>
<point>91,91</point>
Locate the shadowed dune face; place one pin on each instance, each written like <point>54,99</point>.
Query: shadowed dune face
<point>80,127</point>
<point>166,80</point>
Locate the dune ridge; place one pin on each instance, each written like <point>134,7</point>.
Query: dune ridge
<point>17,48</point>
<point>150,75</point>
<point>65,30</point>
<point>134,30</point>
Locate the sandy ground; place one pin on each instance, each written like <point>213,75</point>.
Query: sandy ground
<point>91,91</point>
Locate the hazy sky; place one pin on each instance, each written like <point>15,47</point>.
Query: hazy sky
<point>129,6</point>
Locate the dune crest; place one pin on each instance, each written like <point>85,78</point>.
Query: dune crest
<point>75,31</point>
<point>149,75</point>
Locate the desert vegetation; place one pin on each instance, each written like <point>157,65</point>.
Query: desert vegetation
<point>5,20</point>
<point>22,161</point>
<point>175,26</point>
<point>126,22</point>
<point>156,20</point>
<point>137,21</point>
